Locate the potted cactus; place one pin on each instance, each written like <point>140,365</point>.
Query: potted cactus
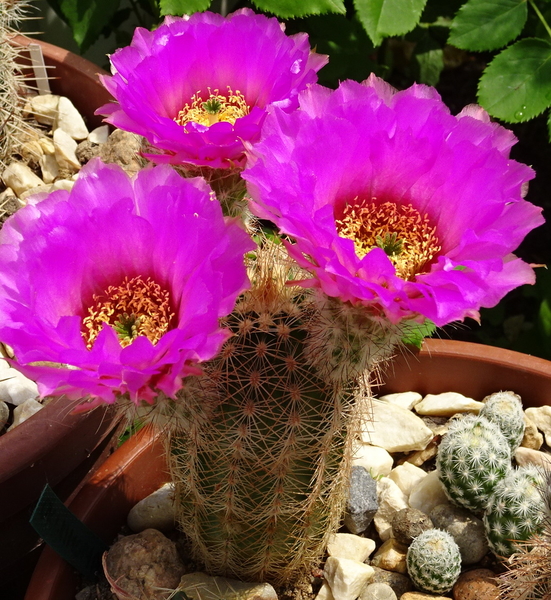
<point>54,446</point>
<point>255,348</point>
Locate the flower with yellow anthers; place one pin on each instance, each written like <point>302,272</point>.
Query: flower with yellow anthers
<point>117,287</point>
<point>393,203</point>
<point>198,88</point>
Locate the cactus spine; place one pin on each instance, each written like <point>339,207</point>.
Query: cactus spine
<point>262,479</point>
<point>505,410</point>
<point>472,458</point>
<point>515,511</point>
<point>434,561</point>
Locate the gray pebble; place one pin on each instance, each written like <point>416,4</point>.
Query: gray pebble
<point>398,582</point>
<point>362,501</point>
<point>466,530</point>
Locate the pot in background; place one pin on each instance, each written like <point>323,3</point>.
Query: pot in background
<point>53,446</point>
<point>137,468</point>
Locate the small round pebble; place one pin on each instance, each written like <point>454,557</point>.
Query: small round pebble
<point>478,584</point>
<point>378,591</point>
<point>398,582</point>
<point>466,530</point>
<point>408,523</point>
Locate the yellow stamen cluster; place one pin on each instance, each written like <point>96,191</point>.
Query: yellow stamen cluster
<point>407,236</point>
<point>135,307</point>
<point>216,108</point>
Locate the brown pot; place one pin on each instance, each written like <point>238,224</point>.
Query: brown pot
<point>54,446</point>
<point>137,467</point>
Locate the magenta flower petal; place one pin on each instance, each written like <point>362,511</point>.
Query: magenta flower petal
<point>60,254</point>
<point>392,202</point>
<point>160,72</point>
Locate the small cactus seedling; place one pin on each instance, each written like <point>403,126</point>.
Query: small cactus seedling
<point>515,511</point>
<point>505,410</point>
<point>472,458</point>
<point>434,561</point>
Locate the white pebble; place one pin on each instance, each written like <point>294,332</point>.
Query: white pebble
<point>70,120</point>
<point>447,404</point>
<point>395,429</point>
<point>65,150</point>
<point>378,591</point>
<point>50,169</point>
<point>377,461</point>
<point>428,493</point>
<point>15,388</point>
<point>406,476</point>
<point>541,417</point>
<point>405,400</point>
<point>391,499</point>
<point>348,545</point>
<point>99,135</point>
<point>20,178</point>
<point>347,578</point>
<point>25,411</point>
<point>156,511</point>
<point>44,108</point>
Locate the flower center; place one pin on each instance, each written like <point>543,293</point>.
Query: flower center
<point>214,109</point>
<point>407,237</point>
<point>135,307</point>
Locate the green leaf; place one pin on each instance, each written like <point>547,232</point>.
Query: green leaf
<point>414,333</point>
<point>516,85</point>
<point>300,8</point>
<point>182,7</point>
<point>487,24</point>
<point>384,18</point>
<point>86,18</point>
<point>428,56</point>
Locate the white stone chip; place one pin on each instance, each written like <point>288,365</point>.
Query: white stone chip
<point>70,120</point>
<point>347,578</point>
<point>200,586</point>
<point>405,400</point>
<point>65,150</point>
<point>25,411</point>
<point>528,456</point>
<point>428,493</point>
<point>63,184</point>
<point>377,461</point>
<point>20,178</point>
<point>44,108</point>
<point>15,388</point>
<point>348,545</point>
<point>395,429</point>
<point>406,476</point>
<point>447,405</point>
<point>156,511</point>
<point>49,167</point>
<point>391,499</point>
<point>541,417</point>
<point>47,145</point>
<point>325,592</point>
<point>378,591</point>
<point>99,135</point>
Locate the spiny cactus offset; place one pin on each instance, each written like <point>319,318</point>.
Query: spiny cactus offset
<point>12,125</point>
<point>505,410</point>
<point>262,480</point>
<point>434,561</point>
<point>515,511</point>
<point>472,458</point>
<point>528,575</point>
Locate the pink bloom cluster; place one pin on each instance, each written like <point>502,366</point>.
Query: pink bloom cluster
<point>366,147</point>
<point>185,58</point>
<point>62,252</point>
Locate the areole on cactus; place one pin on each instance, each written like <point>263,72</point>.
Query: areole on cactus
<point>362,182</point>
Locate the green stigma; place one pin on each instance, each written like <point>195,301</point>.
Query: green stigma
<point>126,327</point>
<point>390,243</point>
<point>212,106</point>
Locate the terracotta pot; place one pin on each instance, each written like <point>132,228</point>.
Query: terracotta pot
<point>137,467</point>
<point>54,446</point>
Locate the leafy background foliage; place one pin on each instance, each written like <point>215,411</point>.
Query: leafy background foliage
<point>493,52</point>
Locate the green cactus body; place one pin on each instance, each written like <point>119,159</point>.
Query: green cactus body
<point>472,458</point>
<point>505,410</point>
<point>262,470</point>
<point>434,561</point>
<point>515,511</point>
